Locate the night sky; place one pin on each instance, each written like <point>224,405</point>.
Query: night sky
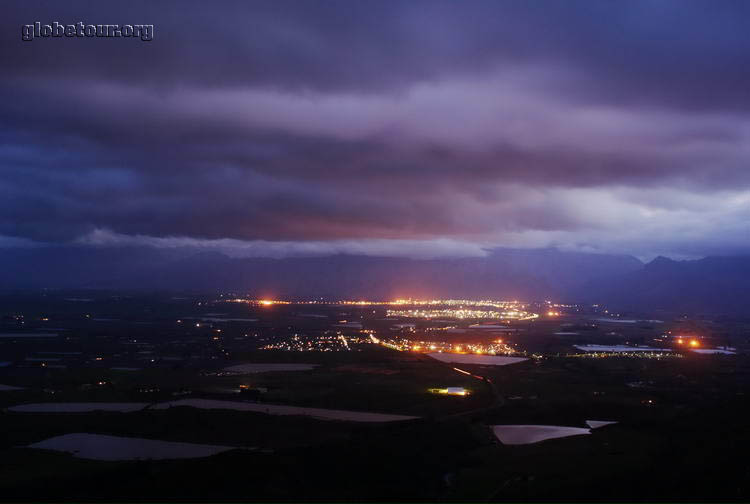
<point>383,128</point>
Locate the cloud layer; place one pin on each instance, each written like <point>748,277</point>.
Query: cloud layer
<point>396,128</point>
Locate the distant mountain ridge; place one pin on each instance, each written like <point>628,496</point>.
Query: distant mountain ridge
<point>714,284</point>
<point>503,273</point>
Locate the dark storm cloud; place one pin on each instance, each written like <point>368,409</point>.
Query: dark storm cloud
<point>691,53</point>
<point>483,122</point>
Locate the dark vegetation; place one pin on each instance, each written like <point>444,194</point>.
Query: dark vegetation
<point>681,433</point>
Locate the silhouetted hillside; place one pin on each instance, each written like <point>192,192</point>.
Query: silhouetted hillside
<point>506,273</point>
<point>710,285</point>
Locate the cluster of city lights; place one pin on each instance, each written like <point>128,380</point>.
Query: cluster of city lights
<point>330,341</point>
<point>462,313</point>
<point>449,308</point>
<point>691,342</point>
<point>640,355</point>
<point>500,305</point>
<point>257,302</point>
<point>497,347</point>
<point>461,302</point>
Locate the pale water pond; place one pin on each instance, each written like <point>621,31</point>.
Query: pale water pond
<point>268,367</point>
<point>28,335</point>
<point>595,424</point>
<point>102,447</point>
<point>279,409</point>
<point>713,351</point>
<point>527,434</point>
<point>76,407</point>
<point>484,360</point>
<point>619,348</point>
<point>270,409</point>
